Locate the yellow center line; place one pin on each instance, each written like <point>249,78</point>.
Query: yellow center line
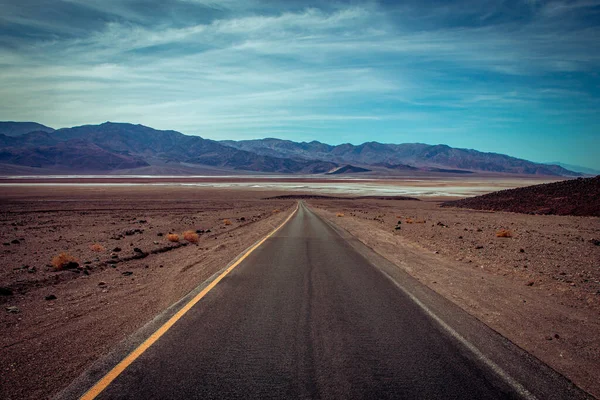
<point>127,361</point>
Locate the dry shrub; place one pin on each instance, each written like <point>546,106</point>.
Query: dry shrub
<point>399,216</point>
<point>409,221</point>
<point>277,210</point>
<point>97,247</point>
<point>191,236</point>
<point>504,233</point>
<point>227,222</point>
<point>340,214</point>
<point>62,260</point>
<point>420,221</point>
<point>173,237</point>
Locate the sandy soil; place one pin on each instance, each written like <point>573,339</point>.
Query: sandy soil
<point>540,288</point>
<point>46,343</point>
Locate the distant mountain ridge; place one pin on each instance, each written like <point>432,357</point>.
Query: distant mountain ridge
<point>401,156</point>
<point>11,128</point>
<point>576,168</point>
<point>126,146</point>
<point>121,146</point>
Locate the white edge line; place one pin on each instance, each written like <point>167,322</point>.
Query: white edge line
<point>520,389</point>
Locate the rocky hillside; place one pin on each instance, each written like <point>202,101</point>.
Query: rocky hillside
<point>571,197</point>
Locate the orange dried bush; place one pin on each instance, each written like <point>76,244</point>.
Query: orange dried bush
<point>173,237</point>
<point>409,221</point>
<point>97,247</point>
<point>277,210</point>
<point>191,236</point>
<point>340,214</point>
<point>420,221</point>
<point>62,260</point>
<point>504,233</point>
<point>227,222</point>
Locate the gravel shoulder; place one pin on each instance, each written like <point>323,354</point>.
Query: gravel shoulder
<point>56,323</point>
<point>540,288</point>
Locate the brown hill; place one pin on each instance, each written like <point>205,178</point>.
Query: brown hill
<point>579,196</point>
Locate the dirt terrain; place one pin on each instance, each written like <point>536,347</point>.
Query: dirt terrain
<point>54,323</point>
<point>537,283</point>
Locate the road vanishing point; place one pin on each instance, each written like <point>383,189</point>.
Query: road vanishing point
<point>311,313</point>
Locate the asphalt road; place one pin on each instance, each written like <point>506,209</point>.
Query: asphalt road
<point>307,316</point>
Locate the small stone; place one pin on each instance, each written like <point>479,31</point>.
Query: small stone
<point>159,234</point>
<point>5,291</point>
<point>6,244</point>
<point>530,283</point>
<point>142,221</point>
<point>137,250</point>
<point>15,241</point>
<point>117,249</point>
<point>521,250</point>
<point>127,273</point>
<point>31,270</point>
<point>478,247</point>
<point>548,337</point>
<point>50,297</point>
<point>13,309</point>
<point>101,283</point>
<point>71,265</point>
<point>556,336</point>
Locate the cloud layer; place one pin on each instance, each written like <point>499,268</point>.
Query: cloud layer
<point>519,77</point>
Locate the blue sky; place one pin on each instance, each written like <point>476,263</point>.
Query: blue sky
<point>518,77</point>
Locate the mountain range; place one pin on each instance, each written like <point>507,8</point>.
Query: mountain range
<point>576,168</point>
<point>128,148</point>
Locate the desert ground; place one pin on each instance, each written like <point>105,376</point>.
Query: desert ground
<point>540,287</point>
